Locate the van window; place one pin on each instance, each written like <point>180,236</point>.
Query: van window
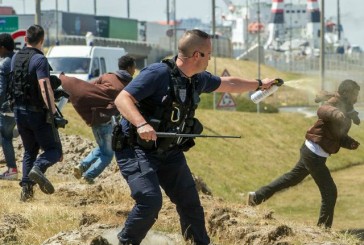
<point>69,65</point>
<point>95,68</point>
<point>103,65</point>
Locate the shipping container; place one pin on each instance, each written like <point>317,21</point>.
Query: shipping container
<point>77,24</point>
<point>7,10</point>
<point>120,28</point>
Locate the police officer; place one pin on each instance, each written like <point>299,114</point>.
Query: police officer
<point>30,69</point>
<point>163,97</point>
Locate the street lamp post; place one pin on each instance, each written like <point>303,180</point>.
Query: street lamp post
<point>57,41</point>
<point>259,55</point>
<point>37,18</point>
<point>128,8</point>
<point>213,45</point>
<point>174,25</point>
<point>338,21</point>
<point>322,48</point>
<point>290,37</point>
<point>95,7</point>
<point>167,12</point>
<point>246,27</point>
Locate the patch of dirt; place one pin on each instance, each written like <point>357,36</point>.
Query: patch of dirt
<point>84,235</point>
<point>227,223</point>
<point>9,226</point>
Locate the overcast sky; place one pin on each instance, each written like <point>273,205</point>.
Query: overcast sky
<point>352,16</point>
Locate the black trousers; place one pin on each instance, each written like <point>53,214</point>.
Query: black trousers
<point>309,163</point>
<point>37,134</point>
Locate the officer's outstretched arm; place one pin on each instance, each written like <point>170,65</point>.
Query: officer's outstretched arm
<point>240,85</point>
<point>126,105</point>
<point>50,92</point>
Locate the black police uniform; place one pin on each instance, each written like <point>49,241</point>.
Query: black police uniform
<point>28,66</point>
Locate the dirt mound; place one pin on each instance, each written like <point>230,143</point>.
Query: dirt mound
<point>226,223</point>
<point>9,226</point>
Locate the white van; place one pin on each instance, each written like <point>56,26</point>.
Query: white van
<point>84,62</point>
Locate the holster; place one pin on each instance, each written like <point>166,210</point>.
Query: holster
<point>194,126</point>
<point>118,140</point>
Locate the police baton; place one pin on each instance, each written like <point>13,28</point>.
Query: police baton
<point>176,135</point>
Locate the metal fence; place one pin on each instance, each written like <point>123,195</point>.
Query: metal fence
<point>337,66</point>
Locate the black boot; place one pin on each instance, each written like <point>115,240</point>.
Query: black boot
<point>38,177</point>
<point>123,241</point>
<point>27,192</point>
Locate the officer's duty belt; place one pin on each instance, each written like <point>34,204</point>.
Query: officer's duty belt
<point>31,108</point>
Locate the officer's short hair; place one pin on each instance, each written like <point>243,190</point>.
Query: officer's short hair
<point>348,86</point>
<point>192,40</point>
<point>35,33</point>
<point>7,41</point>
<point>125,62</point>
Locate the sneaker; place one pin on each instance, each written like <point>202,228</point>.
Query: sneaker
<point>38,177</point>
<point>27,192</point>
<point>78,171</point>
<point>10,174</point>
<point>86,180</point>
<point>251,199</point>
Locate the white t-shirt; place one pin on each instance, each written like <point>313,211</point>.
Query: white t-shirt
<point>315,148</point>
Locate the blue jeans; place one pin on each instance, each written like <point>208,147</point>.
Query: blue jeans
<point>101,156</point>
<point>37,134</point>
<point>7,125</point>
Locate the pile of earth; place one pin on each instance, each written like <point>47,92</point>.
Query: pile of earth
<point>228,223</point>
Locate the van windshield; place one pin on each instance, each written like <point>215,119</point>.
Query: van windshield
<point>69,65</point>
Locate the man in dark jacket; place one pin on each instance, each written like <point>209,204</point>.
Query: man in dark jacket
<point>325,137</point>
<point>94,102</point>
<point>7,121</point>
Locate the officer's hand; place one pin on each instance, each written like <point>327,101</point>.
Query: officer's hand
<point>267,83</point>
<point>147,133</point>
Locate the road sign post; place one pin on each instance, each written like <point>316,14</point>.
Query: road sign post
<point>226,101</point>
